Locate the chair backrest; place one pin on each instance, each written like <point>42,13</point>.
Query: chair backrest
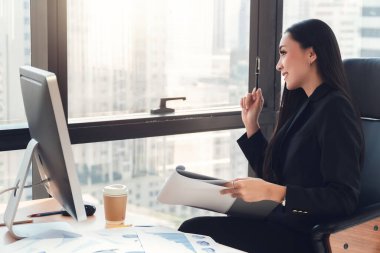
<point>370,176</point>
<point>363,76</point>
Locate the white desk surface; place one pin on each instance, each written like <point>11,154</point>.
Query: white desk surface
<point>95,222</point>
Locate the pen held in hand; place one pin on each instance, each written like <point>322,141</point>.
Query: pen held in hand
<point>257,72</point>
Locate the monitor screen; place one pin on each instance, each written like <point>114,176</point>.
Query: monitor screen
<point>50,140</point>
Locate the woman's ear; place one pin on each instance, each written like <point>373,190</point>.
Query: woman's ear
<point>312,55</point>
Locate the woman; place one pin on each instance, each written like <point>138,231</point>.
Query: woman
<point>311,164</point>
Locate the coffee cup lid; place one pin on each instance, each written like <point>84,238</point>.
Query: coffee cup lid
<point>115,189</point>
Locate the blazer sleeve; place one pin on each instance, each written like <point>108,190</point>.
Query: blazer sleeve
<point>341,143</point>
<point>254,150</point>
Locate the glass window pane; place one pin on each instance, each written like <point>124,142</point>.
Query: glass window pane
<point>144,164</point>
<point>9,166</point>
<point>125,55</point>
<point>14,52</point>
<point>355,23</point>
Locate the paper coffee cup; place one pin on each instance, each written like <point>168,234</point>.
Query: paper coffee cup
<point>115,203</point>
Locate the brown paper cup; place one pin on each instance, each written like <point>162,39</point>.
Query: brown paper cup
<point>115,203</point>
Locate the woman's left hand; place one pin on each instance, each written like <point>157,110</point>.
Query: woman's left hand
<point>254,189</point>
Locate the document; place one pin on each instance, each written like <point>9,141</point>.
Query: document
<point>177,242</point>
<point>200,191</point>
<point>57,241</point>
<point>117,240</point>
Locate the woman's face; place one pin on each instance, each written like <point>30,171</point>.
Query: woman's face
<point>294,63</point>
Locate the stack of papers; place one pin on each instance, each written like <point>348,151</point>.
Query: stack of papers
<point>118,240</point>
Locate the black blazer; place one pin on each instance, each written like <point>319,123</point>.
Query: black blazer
<point>317,156</point>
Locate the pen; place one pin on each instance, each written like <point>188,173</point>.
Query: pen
<point>257,71</point>
<point>18,222</point>
<point>44,214</point>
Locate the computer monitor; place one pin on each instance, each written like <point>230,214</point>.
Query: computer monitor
<point>49,147</point>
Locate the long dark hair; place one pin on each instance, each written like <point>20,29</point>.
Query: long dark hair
<point>318,35</point>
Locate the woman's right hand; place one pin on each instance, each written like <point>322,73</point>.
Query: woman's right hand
<point>251,106</point>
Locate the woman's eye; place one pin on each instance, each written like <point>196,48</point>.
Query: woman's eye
<point>282,52</point>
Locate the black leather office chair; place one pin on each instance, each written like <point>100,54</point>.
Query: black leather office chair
<point>360,232</point>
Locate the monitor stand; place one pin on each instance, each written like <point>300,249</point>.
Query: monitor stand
<point>27,230</point>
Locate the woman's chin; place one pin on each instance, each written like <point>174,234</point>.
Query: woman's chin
<point>290,86</point>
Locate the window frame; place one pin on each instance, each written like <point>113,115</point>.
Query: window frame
<point>49,51</point>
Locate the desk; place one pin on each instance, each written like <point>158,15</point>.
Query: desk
<point>95,222</point>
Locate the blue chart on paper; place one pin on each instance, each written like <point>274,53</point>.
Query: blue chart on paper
<point>177,238</point>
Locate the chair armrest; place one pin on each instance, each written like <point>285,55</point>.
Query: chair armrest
<point>361,216</point>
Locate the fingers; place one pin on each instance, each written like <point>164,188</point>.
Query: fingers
<point>251,98</point>
<point>254,91</point>
<point>228,184</point>
<point>260,95</point>
<point>235,193</point>
<point>232,188</point>
<point>227,191</point>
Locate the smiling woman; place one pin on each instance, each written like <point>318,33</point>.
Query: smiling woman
<point>300,63</point>
<point>314,158</point>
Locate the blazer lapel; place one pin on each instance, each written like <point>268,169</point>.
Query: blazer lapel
<point>282,134</point>
<point>299,113</point>
<point>319,93</point>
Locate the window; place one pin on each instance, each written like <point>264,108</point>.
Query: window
<point>108,89</point>
<point>353,22</point>
<point>370,33</point>
<point>151,165</point>
<point>14,52</point>
<point>9,166</point>
<point>198,49</point>
<point>370,52</point>
<point>371,11</point>
<point>141,51</point>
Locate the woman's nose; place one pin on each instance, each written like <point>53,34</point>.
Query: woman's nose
<point>279,65</point>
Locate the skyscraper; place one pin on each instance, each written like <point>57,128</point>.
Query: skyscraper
<point>14,52</point>
<point>370,30</point>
